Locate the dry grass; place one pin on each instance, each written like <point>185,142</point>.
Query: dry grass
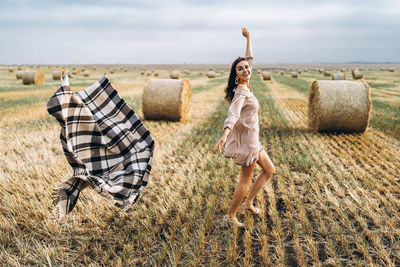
<point>334,201</point>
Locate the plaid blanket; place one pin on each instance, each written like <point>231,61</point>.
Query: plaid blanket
<point>104,141</point>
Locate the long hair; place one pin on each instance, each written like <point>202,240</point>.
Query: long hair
<point>231,81</point>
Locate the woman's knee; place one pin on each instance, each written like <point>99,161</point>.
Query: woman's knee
<point>270,170</point>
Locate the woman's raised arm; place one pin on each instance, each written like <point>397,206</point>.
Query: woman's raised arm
<point>246,33</point>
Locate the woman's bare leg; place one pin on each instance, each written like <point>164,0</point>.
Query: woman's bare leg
<point>246,175</point>
<point>268,170</point>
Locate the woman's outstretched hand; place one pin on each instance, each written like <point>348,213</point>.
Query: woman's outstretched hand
<point>220,144</point>
<point>245,32</point>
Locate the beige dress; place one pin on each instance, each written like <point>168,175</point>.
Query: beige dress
<point>243,142</point>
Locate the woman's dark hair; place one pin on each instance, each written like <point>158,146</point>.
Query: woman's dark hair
<point>231,81</point>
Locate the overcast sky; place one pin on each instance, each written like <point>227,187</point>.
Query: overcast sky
<point>173,31</point>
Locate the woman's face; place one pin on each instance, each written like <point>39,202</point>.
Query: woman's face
<point>243,70</point>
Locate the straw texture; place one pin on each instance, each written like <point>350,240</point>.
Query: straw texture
<point>167,99</point>
<point>339,106</point>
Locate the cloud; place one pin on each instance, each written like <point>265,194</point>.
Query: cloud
<point>198,31</point>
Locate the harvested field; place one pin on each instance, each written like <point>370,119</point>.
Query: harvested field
<point>334,201</point>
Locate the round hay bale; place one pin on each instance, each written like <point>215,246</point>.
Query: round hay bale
<point>305,70</point>
<point>282,72</point>
<point>391,69</point>
<point>259,71</point>
<point>267,76</point>
<point>175,74</point>
<point>339,76</point>
<point>11,70</point>
<point>86,73</point>
<point>211,74</point>
<point>156,73</point>
<point>321,70</point>
<point>149,73</point>
<point>142,72</point>
<point>343,70</point>
<point>33,77</point>
<point>327,74</point>
<point>19,67</point>
<point>341,106</point>
<point>294,74</point>
<point>19,74</point>
<point>167,99</point>
<point>57,74</point>
<point>357,74</point>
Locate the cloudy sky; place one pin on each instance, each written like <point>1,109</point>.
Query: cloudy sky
<point>177,31</point>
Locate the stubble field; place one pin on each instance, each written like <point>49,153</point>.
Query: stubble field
<point>334,201</point>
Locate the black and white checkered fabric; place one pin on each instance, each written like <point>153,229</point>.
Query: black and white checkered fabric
<point>104,141</point>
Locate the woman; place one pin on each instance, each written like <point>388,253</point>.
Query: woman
<point>241,135</point>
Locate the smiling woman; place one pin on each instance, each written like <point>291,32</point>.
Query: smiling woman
<point>240,135</point>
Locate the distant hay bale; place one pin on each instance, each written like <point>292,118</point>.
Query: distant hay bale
<point>19,68</point>
<point>211,74</point>
<point>343,70</point>
<point>259,71</point>
<point>267,76</point>
<point>339,76</point>
<point>305,70</point>
<point>282,72</point>
<point>11,70</point>
<point>321,70</point>
<point>167,99</point>
<point>342,106</point>
<point>175,74</point>
<point>391,69</point>
<point>327,74</point>
<point>142,72</point>
<point>357,74</point>
<point>187,72</point>
<point>149,73</point>
<point>156,73</point>
<point>19,74</point>
<point>57,74</point>
<point>294,74</point>
<point>33,77</point>
<point>86,73</point>
<point>299,71</point>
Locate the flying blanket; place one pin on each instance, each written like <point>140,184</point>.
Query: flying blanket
<point>104,141</point>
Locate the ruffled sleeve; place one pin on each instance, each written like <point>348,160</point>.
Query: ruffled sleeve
<point>250,60</point>
<point>234,111</point>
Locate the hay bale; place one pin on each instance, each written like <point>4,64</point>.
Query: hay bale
<point>211,74</point>
<point>167,99</point>
<point>305,70</point>
<point>149,73</point>
<point>156,73</point>
<point>339,76</point>
<point>267,76</point>
<point>343,70</point>
<point>327,74</point>
<point>282,72</point>
<point>341,106</point>
<point>357,74</point>
<point>19,74</point>
<point>86,73</point>
<point>57,74</point>
<point>391,69</point>
<point>11,70</point>
<point>33,77</point>
<point>19,68</point>
<point>294,74</point>
<point>175,74</point>
<point>259,71</point>
<point>321,70</point>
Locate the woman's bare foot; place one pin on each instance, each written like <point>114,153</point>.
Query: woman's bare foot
<point>232,220</point>
<point>244,207</point>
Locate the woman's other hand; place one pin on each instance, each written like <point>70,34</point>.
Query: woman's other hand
<point>245,32</point>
